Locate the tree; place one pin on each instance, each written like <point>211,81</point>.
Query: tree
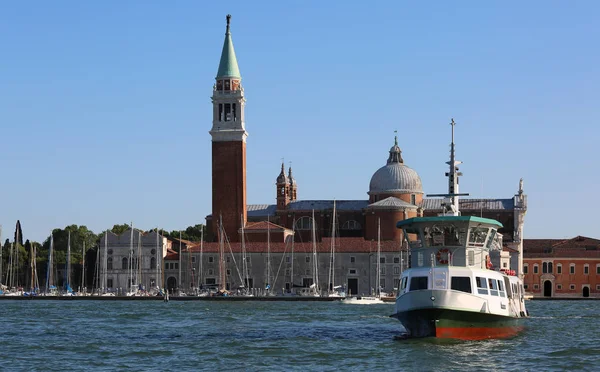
<point>120,229</point>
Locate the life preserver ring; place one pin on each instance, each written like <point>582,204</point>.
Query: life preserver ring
<point>443,255</point>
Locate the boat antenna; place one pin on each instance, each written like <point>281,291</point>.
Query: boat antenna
<point>450,206</point>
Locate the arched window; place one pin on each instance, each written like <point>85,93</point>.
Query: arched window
<point>304,223</point>
<point>351,225</point>
<point>124,263</point>
<point>586,269</point>
<point>153,263</point>
<point>109,263</point>
<point>558,268</point>
<point>545,267</point>
<point>535,268</point>
<point>572,268</point>
<point>153,251</point>
<point>549,267</point>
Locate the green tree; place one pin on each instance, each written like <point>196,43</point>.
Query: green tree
<point>120,229</point>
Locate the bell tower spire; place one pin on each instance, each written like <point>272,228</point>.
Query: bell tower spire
<point>229,135</point>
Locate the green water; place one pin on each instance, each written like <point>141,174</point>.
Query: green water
<point>306,336</point>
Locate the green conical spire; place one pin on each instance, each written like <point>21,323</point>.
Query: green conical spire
<point>228,67</point>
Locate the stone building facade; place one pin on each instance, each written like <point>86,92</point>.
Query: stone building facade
<point>562,267</point>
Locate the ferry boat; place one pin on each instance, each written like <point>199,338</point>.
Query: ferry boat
<point>451,289</point>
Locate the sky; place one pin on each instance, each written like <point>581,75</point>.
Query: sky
<point>105,106</point>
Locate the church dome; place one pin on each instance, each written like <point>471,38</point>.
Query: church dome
<point>282,178</point>
<point>395,176</point>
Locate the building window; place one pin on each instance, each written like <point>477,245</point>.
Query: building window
<point>211,272</point>
<point>396,259</point>
<point>124,263</point>
<point>211,259</point>
<point>382,270</point>
<point>504,265</point>
<point>559,269</point>
<point>287,272</point>
<point>381,260</point>
<point>381,284</point>
<point>549,267</point>
<point>536,286</point>
<point>307,259</point>
<point>572,287</point>
<point>535,269</point>
<point>525,268</point>
<point>598,269</point>
<point>471,257</point>
<point>544,267</point>
<point>396,270</point>
<point>307,272</point>
<point>153,251</point>
<point>525,286</point>
<point>228,259</point>
<point>586,269</point>
<point>352,271</point>
<point>288,259</point>
<point>559,286</point>
<point>304,223</point>
<point>572,268</point>
<point>598,287</point>
<point>353,259</point>
<point>176,265</point>
<point>228,272</point>
<point>109,263</point>
<point>109,283</point>
<point>153,262</point>
<point>193,259</point>
<point>351,225</point>
<point>110,251</point>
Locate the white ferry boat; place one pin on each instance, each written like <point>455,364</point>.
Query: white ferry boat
<point>451,289</point>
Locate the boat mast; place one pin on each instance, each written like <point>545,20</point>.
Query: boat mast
<point>293,238</point>
<point>157,261</point>
<point>244,262</point>
<point>269,284</point>
<point>314,265</point>
<point>200,274</point>
<point>453,175</point>
<point>69,263</point>
<point>378,277</point>
<point>222,279</point>
<point>49,269</point>
<point>1,249</point>
<point>83,268</point>
<point>139,260</point>
<point>179,266</point>
<point>331,279</point>
<point>105,263</point>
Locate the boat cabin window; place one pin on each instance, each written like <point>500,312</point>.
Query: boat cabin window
<point>444,235</point>
<point>477,236</point>
<point>501,288</point>
<point>461,283</point>
<point>403,283</point>
<point>418,282</point>
<point>493,287</point>
<point>420,259</point>
<point>481,285</point>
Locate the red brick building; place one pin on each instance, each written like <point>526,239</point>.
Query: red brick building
<point>562,267</point>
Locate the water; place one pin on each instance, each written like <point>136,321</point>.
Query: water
<point>203,335</point>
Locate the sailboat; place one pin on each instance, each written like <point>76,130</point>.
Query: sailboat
<point>371,300</point>
<point>313,290</point>
<point>68,289</point>
<point>51,289</point>
<point>332,289</point>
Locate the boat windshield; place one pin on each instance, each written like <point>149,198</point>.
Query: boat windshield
<point>444,235</point>
<point>478,236</point>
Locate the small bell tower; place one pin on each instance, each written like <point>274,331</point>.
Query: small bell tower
<point>283,190</point>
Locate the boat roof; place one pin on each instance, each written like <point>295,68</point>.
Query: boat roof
<point>474,219</point>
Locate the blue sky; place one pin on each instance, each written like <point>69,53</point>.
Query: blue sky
<point>105,106</point>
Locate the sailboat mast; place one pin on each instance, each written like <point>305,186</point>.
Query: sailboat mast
<point>49,269</point>
<point>31,264</point>
<point>269,284</point>
<point>200,273</point>
<point>179,265</point>
<point>105,263</point>
<point>83,267</point>
<point>139,260</point>
<point>315,265</point>
<point>244,261</point>
<point>293,238</point>
<point>331,279</point>
<point>157,261</point>
<point>378,257</point>
<point>222,284</point>
<point>1,249</point>
<point>68,281</point>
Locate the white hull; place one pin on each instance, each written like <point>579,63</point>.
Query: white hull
<point>362,300</point>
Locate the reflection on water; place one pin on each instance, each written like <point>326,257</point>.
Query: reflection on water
<point>285,336</point>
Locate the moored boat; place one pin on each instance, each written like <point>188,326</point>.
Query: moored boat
<point>451,289</point>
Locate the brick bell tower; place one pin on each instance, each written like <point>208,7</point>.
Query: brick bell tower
<point>228,145</point>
